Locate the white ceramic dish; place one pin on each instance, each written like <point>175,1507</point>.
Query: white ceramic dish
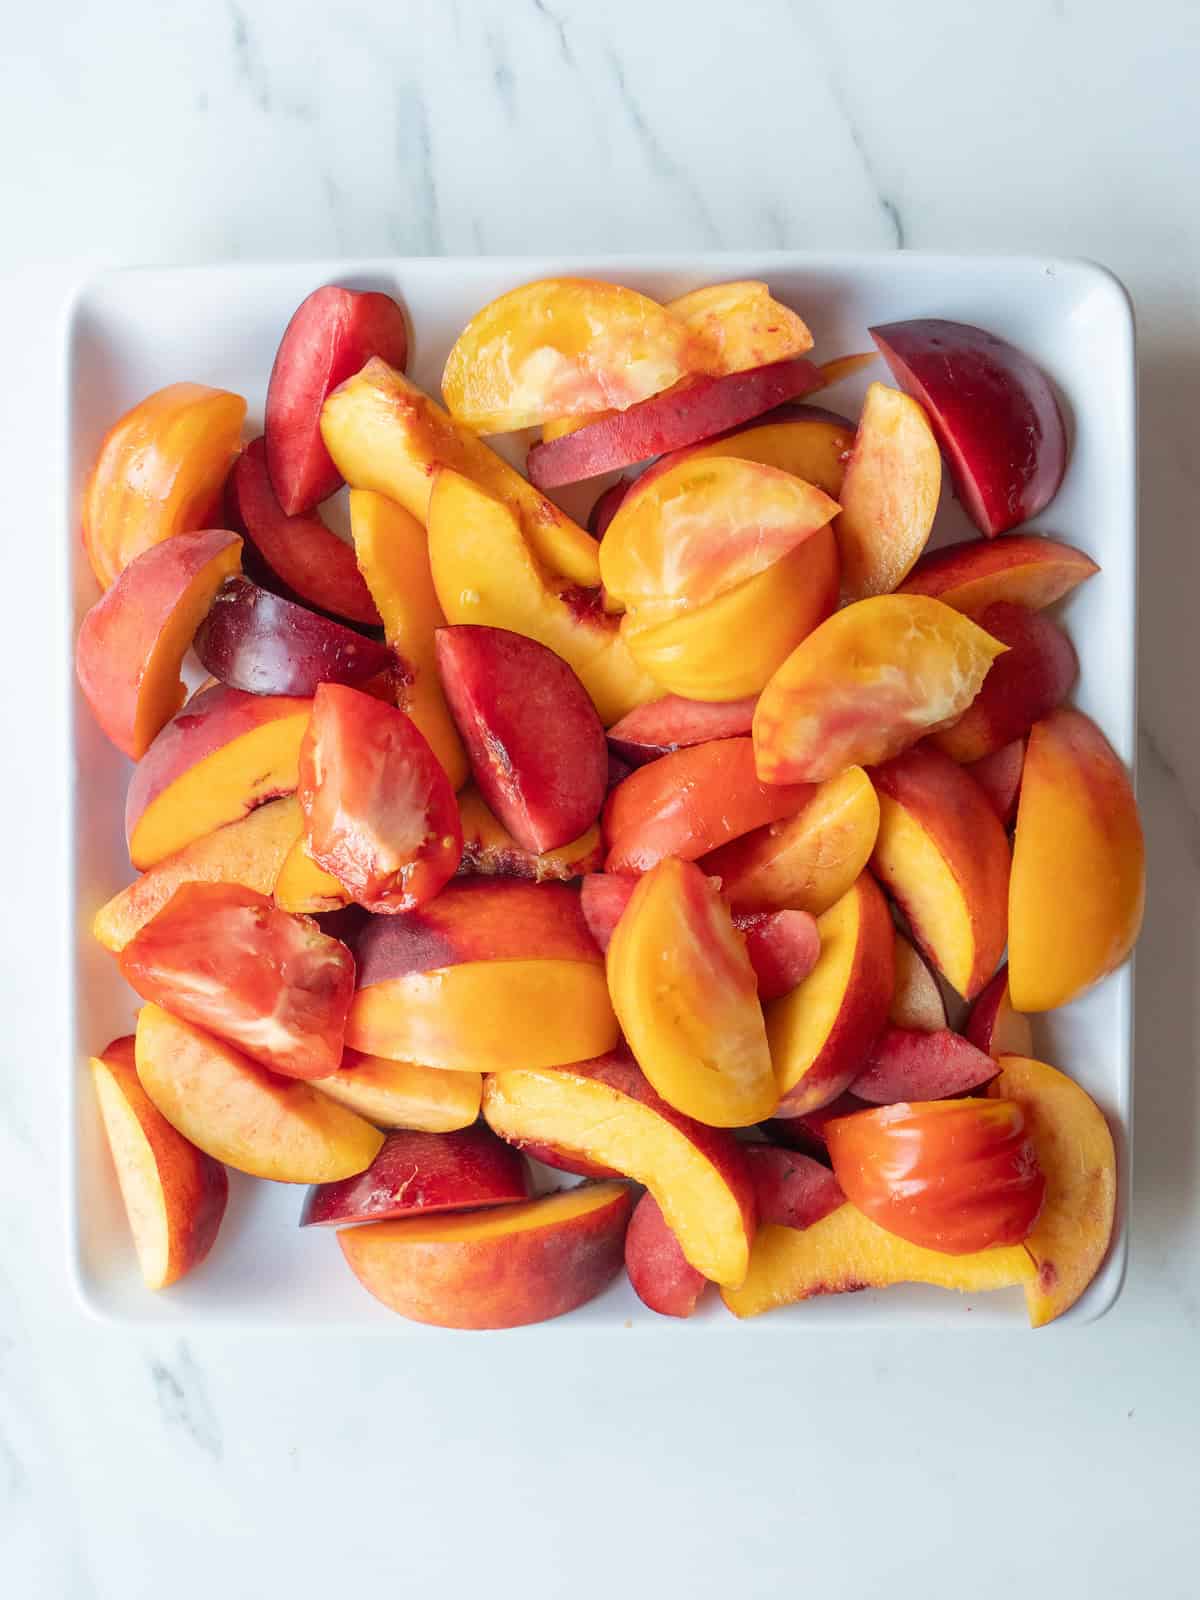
<point>129,333</point>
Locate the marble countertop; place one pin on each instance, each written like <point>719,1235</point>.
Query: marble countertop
<point>1062,1463</point>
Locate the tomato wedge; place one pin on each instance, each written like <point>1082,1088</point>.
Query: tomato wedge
<point>381,815</point>
<point>227,959</point>
<point>952,1175</point>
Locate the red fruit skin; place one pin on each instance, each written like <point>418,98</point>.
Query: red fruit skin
<point>551,1155</point>
<point>227,959</point>
<point>662,1277</point>
<point>264,644</point>
<point>807,1132</point>
<point>332,335</point>
<point>993,411</point>
<point>999,776</point>
<point>674,723</point>
<point>423,1172</point>
<point>476,919</point>
<point>792,1189</point>
<point>908,1064</point>
<point>693,409</point>
<point>1033,676</point>
<point>533,737</point>
<point>783,947</point>
<point>602,898</point>
<point>309,561</point>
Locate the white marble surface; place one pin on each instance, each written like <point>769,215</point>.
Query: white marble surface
<point>1063,1462</point>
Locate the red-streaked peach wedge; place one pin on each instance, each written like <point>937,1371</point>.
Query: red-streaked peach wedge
<point>1025,569</point>
<point>820,1033</point>
<point>241,1114</point>
<point>739,325</point>
<point>221,755</point>
<point>806,861</point>
<point>866,684</point>
<point>503,1267</point>
<point>174,1194</point>
<point>1075,1151</point>
<point>889,495</point>
<point>607,1112</point>
<point>1079,870</point>
<point>686,997</point>
<point>943,856</point>
<point>132,642</point>
<point>160,470</point>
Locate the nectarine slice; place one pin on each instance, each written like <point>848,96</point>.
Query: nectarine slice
<point>768,614</point>
<point>563,347</point>
<point>662,1277</point>
<point>690,802</point>
<point>673,723</point>
<point>226,959</point>
<point>420,1172</point>
<point>221,755</point>
<point>132,642</point>
<point>489,848</point>
<point>685,994</point>
<point>890,493</point>
<point>920,1064</point>
<point>387,435</point>
<point>241,1114</point>
<point>485,572</point>
<point>1035,674</point>
<point>299,553</point>
<point>701,529</point>
<point>332,334</point>
<point>943,855</point>
<point>607,1112</point>
<point>393,555</point>
<point>1026,569</point>
<point>504,1267</point>
<point>401,1094</point>
<point>993,1026</point>
<point>806,861</point>
<point>380,813</point>
<point>305,888</point>
<point>1075,1149</point>
<point>250,852</point>
<point>174,1194</point>
<point>993,411</point>
<point>739,325</point>
<point>820,1033</point>
<point>533,737</point>
<point>159,471</point>
<point>695,408</point>
<point>866,684</point>
<point>847,1251</point>
<point>1079,870</point>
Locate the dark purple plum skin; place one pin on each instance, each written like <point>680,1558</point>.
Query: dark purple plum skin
<point>260,642</point>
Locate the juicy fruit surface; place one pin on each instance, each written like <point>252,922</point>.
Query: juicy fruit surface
<point>866,684</point>
<point>889,495</point>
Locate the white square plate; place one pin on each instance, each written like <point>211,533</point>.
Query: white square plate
<point>129,333</point>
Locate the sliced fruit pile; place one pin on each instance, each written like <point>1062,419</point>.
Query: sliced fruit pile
<point>649,853</point>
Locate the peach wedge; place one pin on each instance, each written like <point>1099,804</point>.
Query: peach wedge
<point>400,1094</point>
<point>606,1112</point>
<point>943,855</point>
<point>243,1115</point>
<point>866,684</point>
<point>1079,873</point>
<point>174,1194</point>
<point>685,994</point>
<point>890,493</point>
<point>1075,1151</point>
<point>387,435</point>
<point>739,325</point>
<point>1026,569</point>
<point>847,1251</point>
<point>504,1267</point>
